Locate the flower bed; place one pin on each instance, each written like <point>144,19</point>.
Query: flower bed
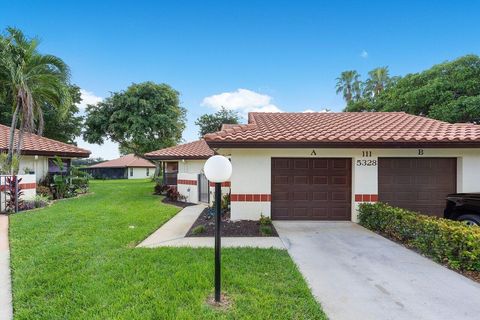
<point>445,241</point>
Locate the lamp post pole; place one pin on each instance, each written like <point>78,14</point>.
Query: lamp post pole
<point>218,169</point>
<point>218,222</point>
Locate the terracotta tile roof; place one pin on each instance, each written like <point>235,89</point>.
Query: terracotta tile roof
<point>192,150</point>
<point>345,129</point>
<point>130,160</point>
<point>36,145</point>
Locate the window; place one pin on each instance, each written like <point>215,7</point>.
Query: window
<point>53,168</point>
<point>131,172</point>
<point>148,172</point>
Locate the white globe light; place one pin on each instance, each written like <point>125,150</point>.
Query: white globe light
<point>217,169</point>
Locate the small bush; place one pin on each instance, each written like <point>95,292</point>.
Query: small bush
<point>199,229</point>
<point>172,194</point>
<point>160,188</point>
<point>265,221</point>
<point>40,201</point>
<point>44,191</point>
<point>443,240</point>
<point>266,230</point>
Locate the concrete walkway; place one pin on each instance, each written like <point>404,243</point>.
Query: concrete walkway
<point>6,310</point>
<point>172,234</point>
<point>357,274</point>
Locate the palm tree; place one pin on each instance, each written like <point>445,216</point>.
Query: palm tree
<point>30,80</point>
<point>349,85</point>
<point>377,82</point>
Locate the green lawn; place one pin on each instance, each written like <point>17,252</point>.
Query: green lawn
<point>76,260</point>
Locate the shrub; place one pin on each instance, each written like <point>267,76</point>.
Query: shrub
<point>266,230</point>
<point>44,191</point>
<point>445,241</point>
<point>172,194</point>
<point>199,229</point>
<point>40,201</point>
<point>160,188</point>
<point>226,201</point>
<point>265,221</point>
<point>37,202</point>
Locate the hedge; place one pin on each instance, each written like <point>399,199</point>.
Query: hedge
<point>445,241</point>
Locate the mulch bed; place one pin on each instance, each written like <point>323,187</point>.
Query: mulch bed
<point>180,204</point>
<point>239,228</point>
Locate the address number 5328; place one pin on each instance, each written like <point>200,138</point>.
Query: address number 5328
<point>366,163</point>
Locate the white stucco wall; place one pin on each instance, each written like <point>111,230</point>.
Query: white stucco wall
<point>252,172</point>
<point>188,170</point>
<point>190,191</point>
<point>140,173</point>
<point>191,166</point>
<point>38,165</point>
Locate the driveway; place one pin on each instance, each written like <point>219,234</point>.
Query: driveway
<point>357,274</point>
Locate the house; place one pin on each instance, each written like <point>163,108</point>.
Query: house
<point>38,153</point>
<point>182,167</point>
<point>125,167</point>
<point>321,166</point>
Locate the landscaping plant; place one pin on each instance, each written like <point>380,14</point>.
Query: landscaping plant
<point>445,241</point>
<point>14,194</point>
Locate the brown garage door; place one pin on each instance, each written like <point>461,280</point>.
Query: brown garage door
<point>311,189</point>
<point>418,184</point>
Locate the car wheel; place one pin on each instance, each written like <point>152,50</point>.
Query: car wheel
<point>470,220</point>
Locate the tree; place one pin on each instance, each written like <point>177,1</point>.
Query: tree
<point>29,80</point>
<point>349,85</point>
<point>145,117</point>
<point>213,122</point>
<point>449,91</point>
<point>378,80</point>
<point>67,126</point>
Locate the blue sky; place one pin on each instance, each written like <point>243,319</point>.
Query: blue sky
<point>284,55</point>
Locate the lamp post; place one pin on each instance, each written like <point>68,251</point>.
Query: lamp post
<point>217,169</point>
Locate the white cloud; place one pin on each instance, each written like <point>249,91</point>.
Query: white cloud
<point>241,100</point>
<point>108,150</point>
<point>364,54</point>
<point>311,110</point>
<point>88,97</point>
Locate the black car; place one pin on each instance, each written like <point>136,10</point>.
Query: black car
<point>464,207</point>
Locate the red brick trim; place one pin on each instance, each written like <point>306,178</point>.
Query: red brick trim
<point>187,182</point>
<point>224,184</point>
<point>366,197</point>
<point>251,197</point>
<point>21,186</point>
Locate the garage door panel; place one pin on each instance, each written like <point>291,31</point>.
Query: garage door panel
<point>341,164</point>
<point>300,164</point>
<point>320,163</point>
<point>300,196</point>
<point>300,180</point>
<point>279,180</point>
<point>280,196</point>
<point>319,180</point>
<point>339,180</point>
<point>418,184</point>
<point>317,189</point>
<point>319,196</point>
<point>339,196</point>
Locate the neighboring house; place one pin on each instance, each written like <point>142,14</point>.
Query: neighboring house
<point>182,166</point>
<point>38,152</point>
<point>126,167</point>
<point>321,166</point>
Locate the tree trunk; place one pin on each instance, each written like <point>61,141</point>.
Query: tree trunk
<point>20,141</point>
<point>157,169</point>
<point>12,135</point>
